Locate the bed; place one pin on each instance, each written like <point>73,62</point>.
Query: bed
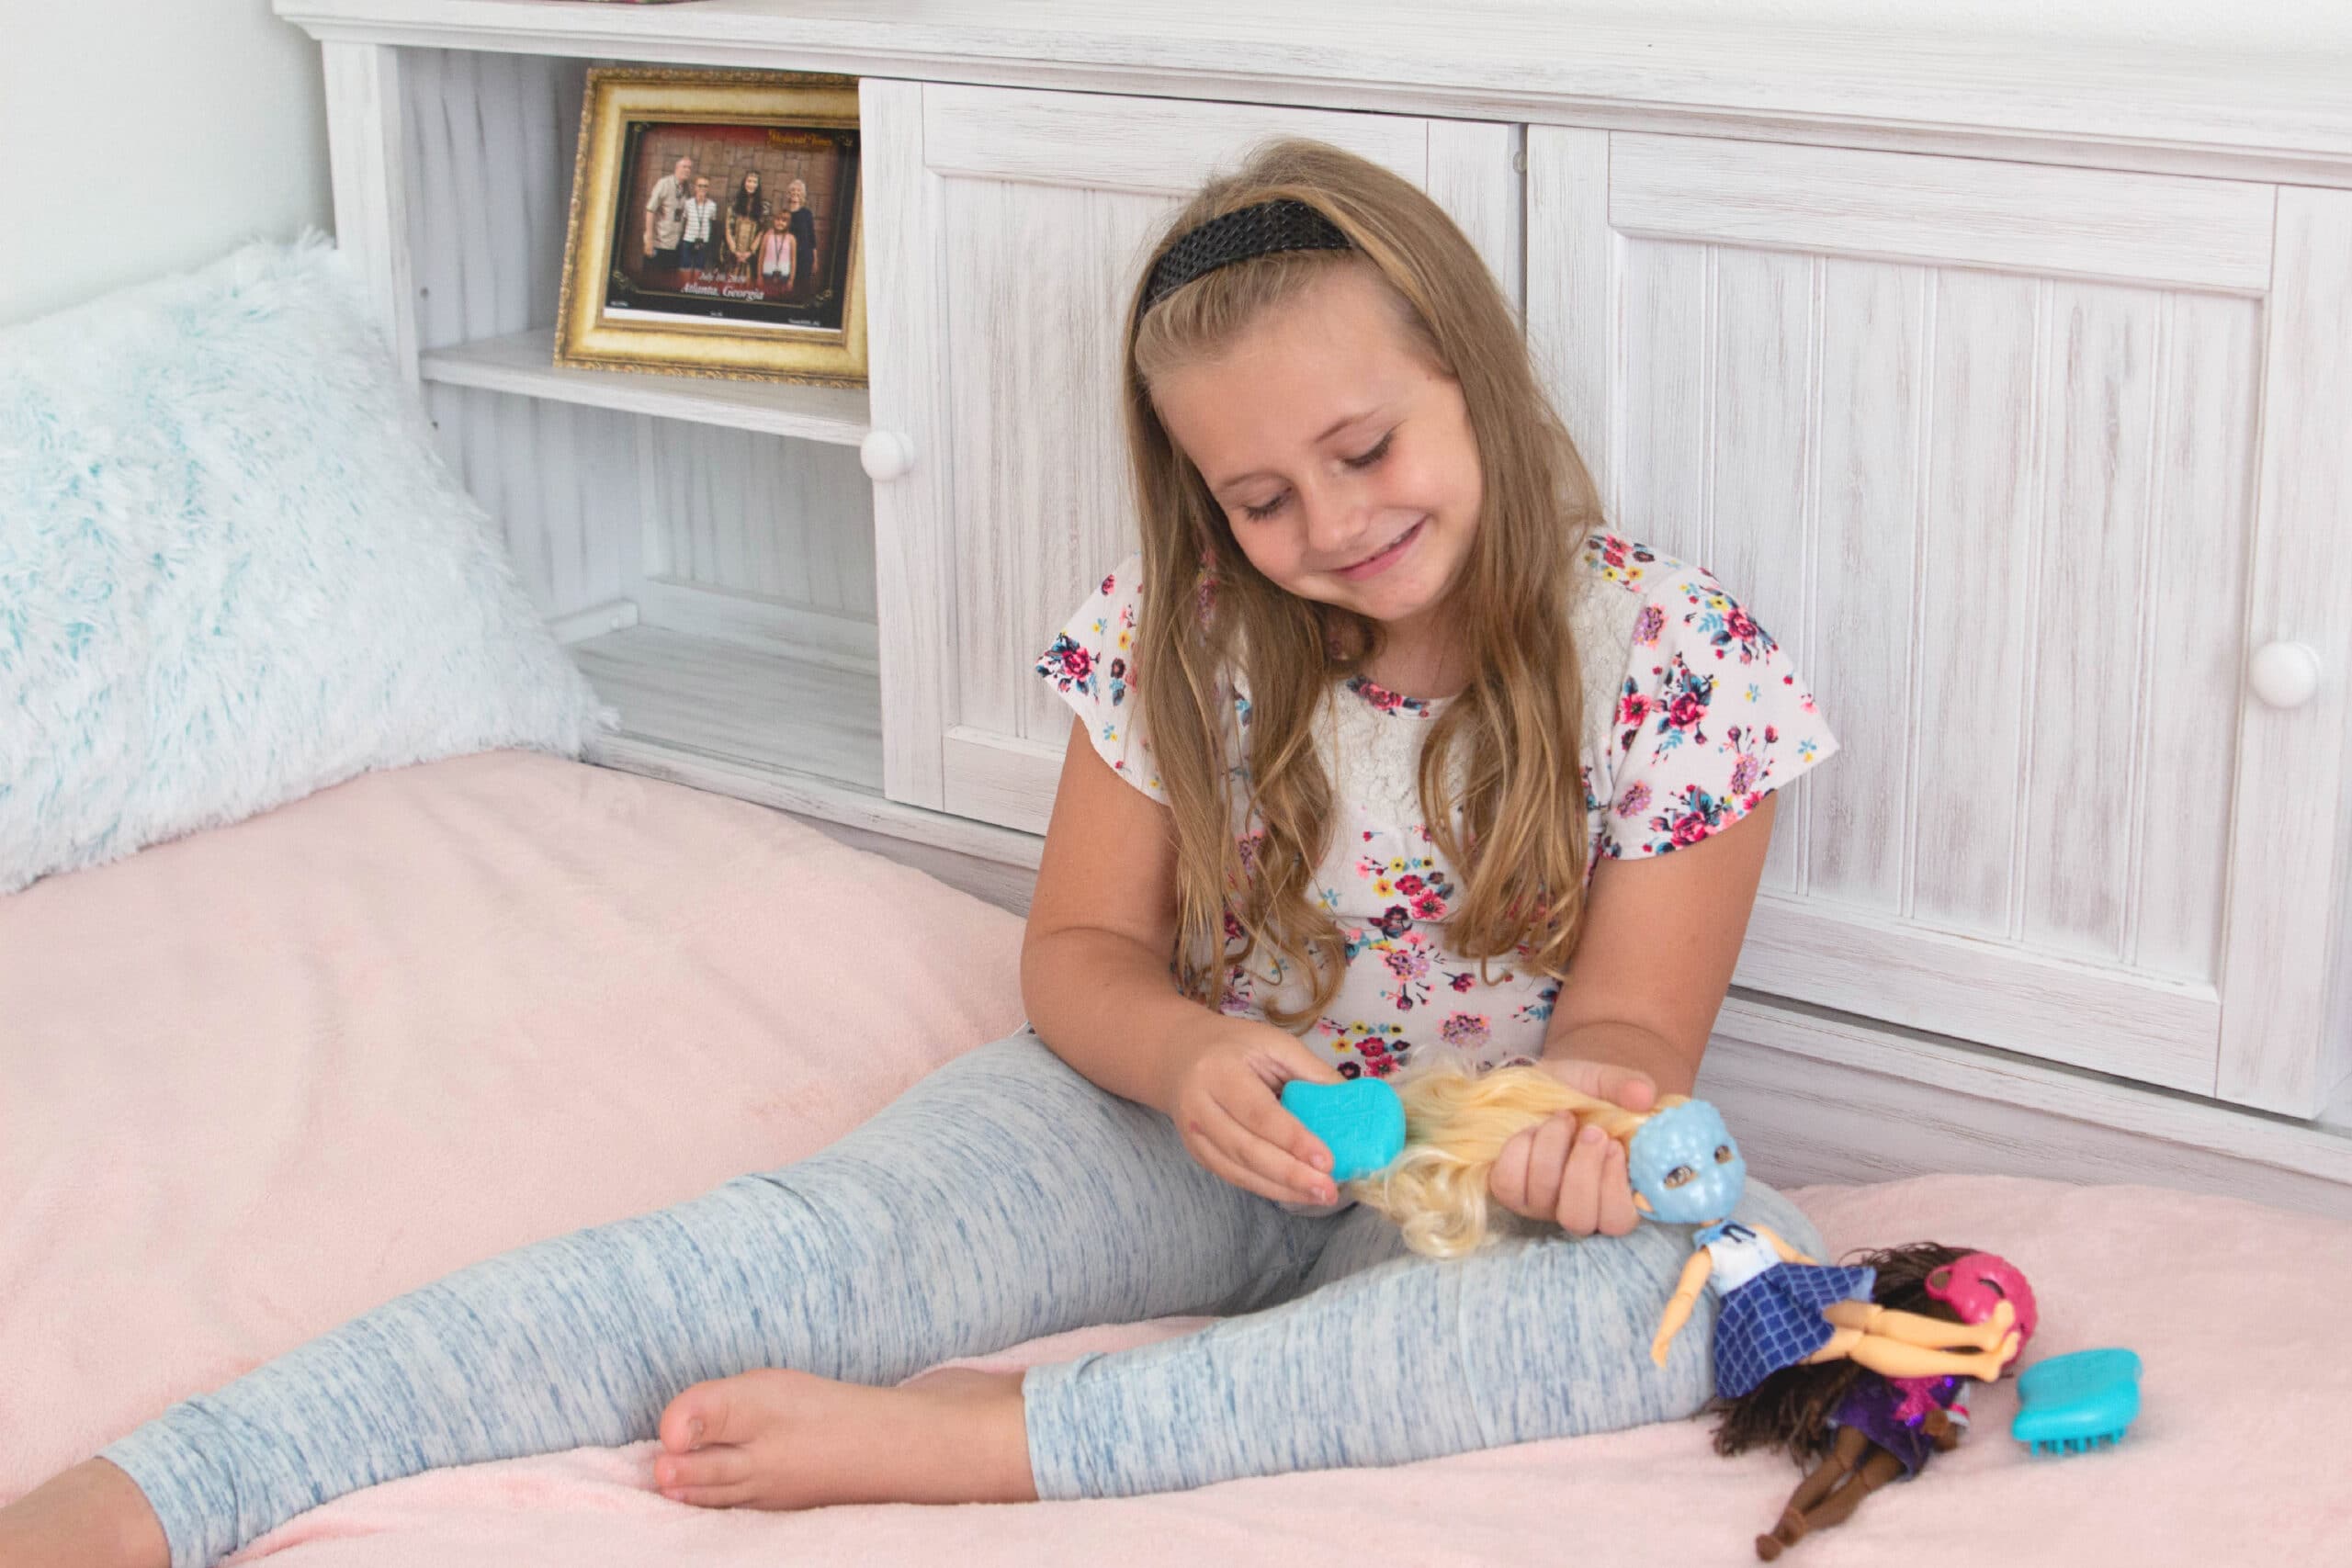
<point>256,1079</point>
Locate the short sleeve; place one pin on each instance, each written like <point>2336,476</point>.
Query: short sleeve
<point>1712,716</point>
<point>1091,664</point>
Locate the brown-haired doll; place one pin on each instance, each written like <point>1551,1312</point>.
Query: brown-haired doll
<point>1863,1428</point>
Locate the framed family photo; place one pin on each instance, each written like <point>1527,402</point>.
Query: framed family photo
<point>715,226</point>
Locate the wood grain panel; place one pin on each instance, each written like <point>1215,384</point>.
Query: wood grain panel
<point>906,351</point>
<point>1957,496</point>
<point>1975,607</point>
<point>2087,691</point>
<point>523,363</point>
<point>1162,147</point>
<point>560,482</point>
<point>488,139</point>
<point>1870,319</point>
<point>1665,394</point>
<point>2203,499</point>
<point>2289,826</point>
<point>738,510</point>
<point>2088,1015</point>
<point>1840,1099</point>
<point>368,156</point>
<point>1573,326</point>
<point>1471,176</point>
<point>2162,95</point>
<point>726,700</point>
<point>1967,211</point>
<point>1757,531</point>
<point>1031,481</point>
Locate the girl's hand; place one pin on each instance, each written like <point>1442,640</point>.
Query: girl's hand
<point>1551,1171</point>
<point>1226,1105</point>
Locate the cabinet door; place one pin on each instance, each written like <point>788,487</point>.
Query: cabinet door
<point>1005,231</point>
<point>2024,465</point>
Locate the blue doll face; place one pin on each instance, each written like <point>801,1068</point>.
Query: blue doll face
<point>1684,1163</point>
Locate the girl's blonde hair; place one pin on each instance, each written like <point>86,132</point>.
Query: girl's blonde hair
<point>1519,845</point>
<point>1455,1126</point>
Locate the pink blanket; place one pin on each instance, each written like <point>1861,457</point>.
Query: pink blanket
<point>256,1081</point>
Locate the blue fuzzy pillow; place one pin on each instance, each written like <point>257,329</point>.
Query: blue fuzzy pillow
<point>232,569</point>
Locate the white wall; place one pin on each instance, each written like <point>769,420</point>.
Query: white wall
<point>144,136</point>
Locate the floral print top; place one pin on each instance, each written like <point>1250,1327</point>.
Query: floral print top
<point>1693,714</point>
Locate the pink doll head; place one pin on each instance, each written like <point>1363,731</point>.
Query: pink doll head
<point>1973,1285</point>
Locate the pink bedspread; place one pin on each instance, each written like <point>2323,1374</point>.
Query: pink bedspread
<point>254,1081</point>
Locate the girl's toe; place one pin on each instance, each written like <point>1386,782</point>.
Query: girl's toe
<point>705,1468</point>
<point>688,1418</point>
<point>710,1497</point>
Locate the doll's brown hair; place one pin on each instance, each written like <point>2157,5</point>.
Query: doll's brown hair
<point>1791,1409</point>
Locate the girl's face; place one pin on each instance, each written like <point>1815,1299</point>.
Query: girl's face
<point>1345,465</point>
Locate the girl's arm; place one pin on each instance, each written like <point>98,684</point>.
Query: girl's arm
<point>1788,1254</point>
<point>1102,928</point>
<point>1095,978</point>
<point>1653,961</point>
<point>1648,974</point>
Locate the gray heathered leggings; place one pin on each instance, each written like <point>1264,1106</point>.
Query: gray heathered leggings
<point>1002,1197</point>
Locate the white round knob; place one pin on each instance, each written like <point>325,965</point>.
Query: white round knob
<point>2284,674</point>
<point>885,453</point>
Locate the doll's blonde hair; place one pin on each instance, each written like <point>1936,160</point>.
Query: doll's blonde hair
<point>1455,1126</point>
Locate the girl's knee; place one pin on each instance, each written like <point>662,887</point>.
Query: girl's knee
<point>1577,1357</point>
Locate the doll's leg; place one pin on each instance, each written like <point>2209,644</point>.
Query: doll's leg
<point>1892,1358</point>
<point>1876,1470</point>
<point>1845,1452</point>
<point>1002,1197</point>
<point>1911,1328</point>
<point>1407,1359</point>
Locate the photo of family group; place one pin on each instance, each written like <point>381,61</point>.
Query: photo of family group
<point>715,226</point>
<point>742,224</point>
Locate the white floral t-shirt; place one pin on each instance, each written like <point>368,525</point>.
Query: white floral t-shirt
<point>1692,714</point>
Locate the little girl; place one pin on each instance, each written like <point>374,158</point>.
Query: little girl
<point>777,258</point>
<point>1378,741</point>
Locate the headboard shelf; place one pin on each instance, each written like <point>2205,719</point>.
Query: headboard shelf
<point>2227,92</point>
<point>524,364</point>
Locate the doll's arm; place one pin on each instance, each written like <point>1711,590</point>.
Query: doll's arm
<point>1678,1309</point>
<point>1788,1254</point>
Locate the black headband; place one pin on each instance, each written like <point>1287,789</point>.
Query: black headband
<point>1282,224</point>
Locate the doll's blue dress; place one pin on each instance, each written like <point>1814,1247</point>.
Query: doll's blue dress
<point>1771,1309</point>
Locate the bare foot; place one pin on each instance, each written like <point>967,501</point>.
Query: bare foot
<point>93,1516</point>
<point>784,1440</point>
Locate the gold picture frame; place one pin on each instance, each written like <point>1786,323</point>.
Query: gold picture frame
<point>654,279</point>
